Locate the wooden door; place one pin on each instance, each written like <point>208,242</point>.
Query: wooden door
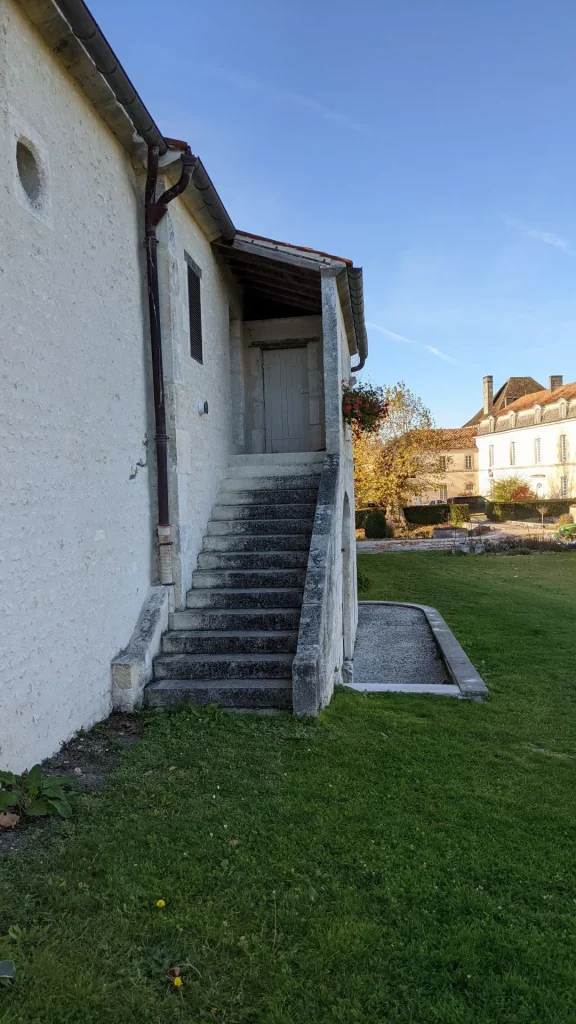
<point>286,400</point>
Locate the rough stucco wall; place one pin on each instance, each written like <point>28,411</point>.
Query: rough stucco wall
<point>548,471</point>
<point>76,549</point>
<point>200,446</point>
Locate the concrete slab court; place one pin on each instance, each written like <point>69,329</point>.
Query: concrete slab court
<point>408,648</point>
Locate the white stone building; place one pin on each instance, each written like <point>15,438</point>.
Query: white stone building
<point>172,439</point>
<point>533,436</point>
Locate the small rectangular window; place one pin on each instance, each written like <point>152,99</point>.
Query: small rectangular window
<point>512,453</point>
<point>468,461</point>
<point>563,448</point>
<point>443,463</point>
<point>537,450</point>
<point>491,455</point>
<point>469,488</point>
<point>564,486</point>
<point>194,310</point>
<point>443,494</point>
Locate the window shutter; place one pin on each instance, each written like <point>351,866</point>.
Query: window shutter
<point>195,314</point>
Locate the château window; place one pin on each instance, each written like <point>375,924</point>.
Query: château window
<point>512,453</point>
<point>468,461</point>
<point>537,451</point>
<point>443,493</point>
<point>443,463</point>
<point>564,486</point>
<point>491,455</point>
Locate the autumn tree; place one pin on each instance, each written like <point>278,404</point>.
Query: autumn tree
<point>512,488</point>
<point>402,461</point>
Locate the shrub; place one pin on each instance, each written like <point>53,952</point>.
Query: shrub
<point>375,525</point>
<point>459,514</point>
<point>565,519</point>
<point>363,581</point>
<point>427,515</point>
<point>525,546</point>
<point>360,517</point>
<point>512,488</point>
<point>33,796</point>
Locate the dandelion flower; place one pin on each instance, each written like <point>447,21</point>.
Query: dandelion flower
<point>177,982</point>
<point>160,903</point>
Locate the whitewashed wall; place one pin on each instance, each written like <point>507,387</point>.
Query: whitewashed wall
<point>75,555</point>
<point>200,445</point>
<point>547,473</point>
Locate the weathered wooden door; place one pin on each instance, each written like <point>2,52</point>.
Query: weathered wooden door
<point>286,400</point>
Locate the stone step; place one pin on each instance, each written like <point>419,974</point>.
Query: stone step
<point>229,619</point>
<point>229,693</point>
<point>279,459</point>
<point>247,578</point>
<point>258,542</point>
<point>223,666</point>
<point>309,471</point>
<point>298,511</point>
<point>230,642</point>
<point>252,559</point>
<point>290,481</point>
<point>277,597</point>
<point>277,496</point>
<point>251,527</point>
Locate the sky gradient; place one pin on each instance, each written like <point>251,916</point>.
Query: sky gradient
<point>431,141</point>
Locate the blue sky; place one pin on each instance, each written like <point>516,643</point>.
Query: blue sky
<point>432,141</point>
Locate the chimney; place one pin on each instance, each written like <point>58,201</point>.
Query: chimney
<point>556,382</point>
<point>488,383</point>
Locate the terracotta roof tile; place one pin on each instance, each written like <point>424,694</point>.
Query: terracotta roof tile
<point>542,397</point>
<point>300,248</point>
<point>458,437</point>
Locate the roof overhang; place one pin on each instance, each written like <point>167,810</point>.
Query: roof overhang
<point>291,276</point>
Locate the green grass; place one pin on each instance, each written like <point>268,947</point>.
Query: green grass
<point>403,859</point>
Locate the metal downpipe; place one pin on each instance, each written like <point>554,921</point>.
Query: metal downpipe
<point>154,212</point>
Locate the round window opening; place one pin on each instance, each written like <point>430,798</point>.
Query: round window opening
<point>29,173</point>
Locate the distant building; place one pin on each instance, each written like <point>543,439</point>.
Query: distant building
<point>532,436</point>
<point>458,469</point>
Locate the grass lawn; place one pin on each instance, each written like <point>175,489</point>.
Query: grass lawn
<point>402,859</point>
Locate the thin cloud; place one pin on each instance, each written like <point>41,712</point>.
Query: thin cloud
<point>442,355</point>
<point>248,83</point>
<point>410,341</point>
<point>547,237</point>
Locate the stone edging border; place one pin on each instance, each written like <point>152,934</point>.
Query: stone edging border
<point>460,668</point>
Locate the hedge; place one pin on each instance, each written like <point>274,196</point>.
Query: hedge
<point>498,511</point>
<point>361,513</point>
<point>459,514</point>
<point>427,515</point>
<point>375,526</point>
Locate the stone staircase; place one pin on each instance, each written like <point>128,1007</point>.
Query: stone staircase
<point>235,642</point>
